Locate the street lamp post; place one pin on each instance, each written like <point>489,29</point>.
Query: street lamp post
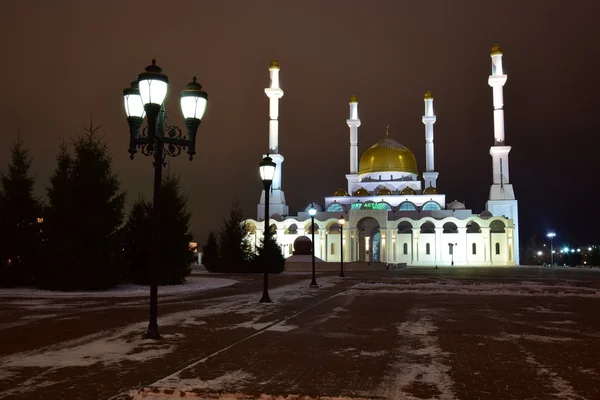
<point>341,222</point>
<point>145,97</point>
<point>267,171</point>
<point>452,252</point>
<point>551,236</point>
<point>312,212</point>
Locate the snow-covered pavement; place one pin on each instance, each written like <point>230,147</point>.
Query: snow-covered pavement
<point>408,335</point>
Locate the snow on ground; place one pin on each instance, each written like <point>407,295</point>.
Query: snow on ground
<point>152,395</point>
<point>418,360</point>
<point>193,284</point>
<point>488,288</point>
<point>114,346</point>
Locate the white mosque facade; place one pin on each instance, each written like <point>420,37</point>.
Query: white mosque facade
<point>391,214</point>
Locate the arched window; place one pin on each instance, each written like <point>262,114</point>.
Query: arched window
<point>428,248</point>
<point>382,205</point>
<point>405,248</point>
<point>335,207</point>
<point>497,248</point>
<point>431,206</point>
<point>407,206</point>
<point>474,248</point>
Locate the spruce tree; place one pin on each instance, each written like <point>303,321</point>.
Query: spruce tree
<point>138,242</point>
<point>175,237</point>
<point>210,254</point>
<point>19,213</point>
<point>234,246</point>
<point>268,253</point>
<point>84,215</point>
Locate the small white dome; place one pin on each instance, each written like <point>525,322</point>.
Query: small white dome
<point>456,205</point>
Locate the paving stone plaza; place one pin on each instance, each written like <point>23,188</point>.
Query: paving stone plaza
<point>416,333</point>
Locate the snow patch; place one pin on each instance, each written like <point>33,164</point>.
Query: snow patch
<point>192,284</point>
<point>282,328</point>
<point>378,353</point>
<point>417,341</point>
<point>229,380</point>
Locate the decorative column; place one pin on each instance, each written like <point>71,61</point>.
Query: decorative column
<point>487,250</point>
<point>462,241</point>
<point>438,245</point>
<point>323,244</point>
<point>383,247</point>
<point>430,176</point>
<point>415,244</point>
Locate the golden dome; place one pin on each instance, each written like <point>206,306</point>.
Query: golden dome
<point>407,191</point>
<point>353,99</point>
<point>362,192</point>
<point>496,49</point>
<point>274,64</point>
<point>384,192</point>
<point>428,95</point>
<point>430,190</point>
<point>387,155</point>
<point>340,192</point>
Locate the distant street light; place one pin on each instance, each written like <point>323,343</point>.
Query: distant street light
<point>312,212</point>
<point>551,236</point>
<point>145,97</point>
<point>267,170</point>
<point>341,222</point>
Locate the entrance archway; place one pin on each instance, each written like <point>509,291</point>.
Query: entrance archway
<point>369,240</point>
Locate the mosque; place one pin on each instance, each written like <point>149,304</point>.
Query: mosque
<point>393,215</point>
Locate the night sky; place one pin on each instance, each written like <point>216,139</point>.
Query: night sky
<point>62,59</point>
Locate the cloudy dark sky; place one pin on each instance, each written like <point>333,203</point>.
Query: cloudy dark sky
<point>62,59</point>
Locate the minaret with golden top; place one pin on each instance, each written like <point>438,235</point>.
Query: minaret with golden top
<point>277,198</point>
<point>353,123</point>
<point>429,176</point>
<point>502,201</point>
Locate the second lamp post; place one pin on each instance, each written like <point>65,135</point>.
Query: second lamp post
<point>267,171</point>
<point>312,211</point>
<point>145,97</point>
<point>341,222</point>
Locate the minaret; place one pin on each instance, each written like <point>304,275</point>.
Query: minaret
<point>277,198</point>
<point>502,200</point>
<point>430,176</point>
<point>353,123</point>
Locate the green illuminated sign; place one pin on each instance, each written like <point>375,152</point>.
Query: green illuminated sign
<point>371,206</point>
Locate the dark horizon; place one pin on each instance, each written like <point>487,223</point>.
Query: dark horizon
<point>71,57</point>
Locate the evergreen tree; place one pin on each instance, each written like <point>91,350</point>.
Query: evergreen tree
<point>19,213</point>
<point>210,253</point>
<point>175,237</point>
<point>268,253</point>
<point>83,218</point>
<point>138,242</point>
<point>175,252</point>
<point>234,247</point>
